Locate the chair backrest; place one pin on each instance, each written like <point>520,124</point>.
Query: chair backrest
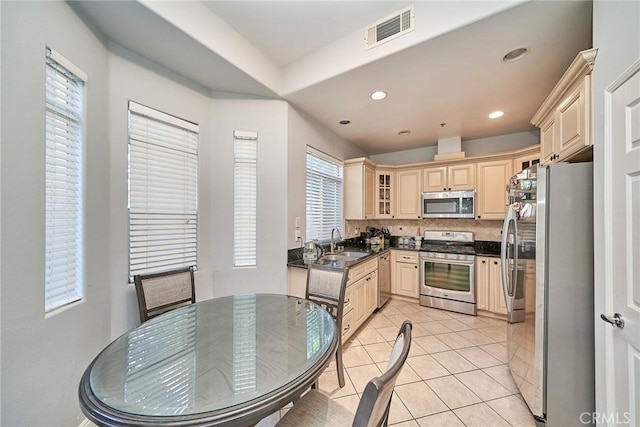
<point>326,286</point>
<point>160,292</point>
<point>373,409</point>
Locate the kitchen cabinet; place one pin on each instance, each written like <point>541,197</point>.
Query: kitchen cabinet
<point>408,194</point>
<point>449,178</point>
<point>524,161</point>
<point>491,196</point>
<point>405,273</point>
<point>385,207</point>
<point>489,292</point>
<point>565,117</point>
<point>359,189</point>
<point>361,296</point>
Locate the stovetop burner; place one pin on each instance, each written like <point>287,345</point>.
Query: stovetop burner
<point>449,248</point>
<point>452,242</point>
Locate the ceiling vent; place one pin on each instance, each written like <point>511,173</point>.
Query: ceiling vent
<point>389,28</point>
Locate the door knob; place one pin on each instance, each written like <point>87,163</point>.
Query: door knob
<point>615,321</point>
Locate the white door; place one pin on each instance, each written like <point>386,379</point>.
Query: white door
<point>622,251</point>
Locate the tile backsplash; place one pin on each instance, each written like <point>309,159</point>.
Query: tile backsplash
<point>483,230</point>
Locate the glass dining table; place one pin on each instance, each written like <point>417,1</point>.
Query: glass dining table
<point>226,361</point>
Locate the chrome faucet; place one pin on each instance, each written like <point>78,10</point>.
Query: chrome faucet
<point>333,244</point>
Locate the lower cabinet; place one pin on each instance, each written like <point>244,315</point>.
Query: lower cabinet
<point>405,273</point>
<point>361,296</point>
<point>489,292</point>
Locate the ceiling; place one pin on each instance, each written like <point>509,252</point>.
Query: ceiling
<point>440,86</point>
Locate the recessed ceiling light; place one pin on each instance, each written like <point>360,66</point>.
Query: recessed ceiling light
<point>496,114</point>
<point>345,122</point>
<point>515,55</point>
<point>378,95</point>
<point>404,132</point>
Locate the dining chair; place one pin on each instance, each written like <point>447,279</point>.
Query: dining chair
<point>316,408</point>
<point>160,292</point>
<point>326,287</point>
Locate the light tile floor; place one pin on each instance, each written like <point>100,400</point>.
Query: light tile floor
<point>455,375</point>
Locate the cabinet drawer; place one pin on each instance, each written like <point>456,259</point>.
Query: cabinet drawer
<point>347,325</point>
<point>405,256</point>
<point>360,270</point>
<point>348,300</point>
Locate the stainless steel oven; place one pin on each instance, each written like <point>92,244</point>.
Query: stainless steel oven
<point>447,272</point>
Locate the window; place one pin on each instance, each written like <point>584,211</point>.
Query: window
<point>245,172</point>
<point>64,97</point>
<point>163,191</point>
<point>324,195</point>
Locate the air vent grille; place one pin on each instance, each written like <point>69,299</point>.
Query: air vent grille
<point>389,28</point>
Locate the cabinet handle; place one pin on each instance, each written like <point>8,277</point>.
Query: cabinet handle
<point>347,301</point>
<point>415,266</point>
<point>347,328</point>
<point>495,262</point>
<point>444,189</point>
<point>479,217</point>
<point>484,262</point>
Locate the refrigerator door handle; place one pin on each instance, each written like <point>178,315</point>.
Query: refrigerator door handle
<point>509,293</point>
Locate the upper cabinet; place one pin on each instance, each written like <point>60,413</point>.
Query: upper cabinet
<point>359,189</point>
<point>493,177</point>
<point>408,193</point>
<point>447,178</point>
<point>564,118</point>
<point>526,159</point>
<point>385,183</point>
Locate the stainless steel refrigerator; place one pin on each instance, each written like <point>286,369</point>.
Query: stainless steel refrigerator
<point>547,272</point>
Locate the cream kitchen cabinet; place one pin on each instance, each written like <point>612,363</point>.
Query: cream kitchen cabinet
<point>361,296</point>
<point>565,117</point>
<point>385,194</point>
<point>489,292</point>
<point>359,189</point>
<point>525,160</point>
<point>405,273</point>
<point>408,194</point>
<point>448,178</point>
<point>491,196</point>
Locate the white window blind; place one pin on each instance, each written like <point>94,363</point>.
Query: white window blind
<point>163,191</point>
<point>324,195</point>
<point>64,93</point>
<point>245,173</point>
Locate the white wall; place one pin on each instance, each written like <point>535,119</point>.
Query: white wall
<point>471,148</point>
<point>616,34</point>
<point>134,78</point>
<point>43,359</point>
<point>305,131</point>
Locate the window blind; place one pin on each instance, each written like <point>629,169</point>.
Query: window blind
<point>323,195</point>
<point>64,93</point>
<point>245,186</point>
<point>163,191</point>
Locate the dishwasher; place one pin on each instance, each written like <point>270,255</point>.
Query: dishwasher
<point>384,279</point>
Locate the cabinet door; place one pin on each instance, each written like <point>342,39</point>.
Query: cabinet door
<point>407,280</point>
<point>482,283</point>
<point>348,326</point>
<point>493,178</point>
<point>408,194</point>
<point>495,277</point>
<point>434,179</point>
<point>461,177</point>
<point>359,302</point>
<point>384,194</point>
<point>369,192</point>
<point>372,292</point>
<point>573,120</point>
<point>548,140</point>
<point>523,162</point>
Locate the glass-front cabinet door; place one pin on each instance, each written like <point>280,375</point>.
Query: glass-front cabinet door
<point>385,194</point>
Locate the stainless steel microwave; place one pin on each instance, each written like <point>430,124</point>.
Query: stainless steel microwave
<point>449,204</point>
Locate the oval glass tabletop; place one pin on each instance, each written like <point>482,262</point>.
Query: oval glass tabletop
<point>216,356</point>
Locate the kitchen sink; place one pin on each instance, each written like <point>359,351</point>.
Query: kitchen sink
<point>344,256</point>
